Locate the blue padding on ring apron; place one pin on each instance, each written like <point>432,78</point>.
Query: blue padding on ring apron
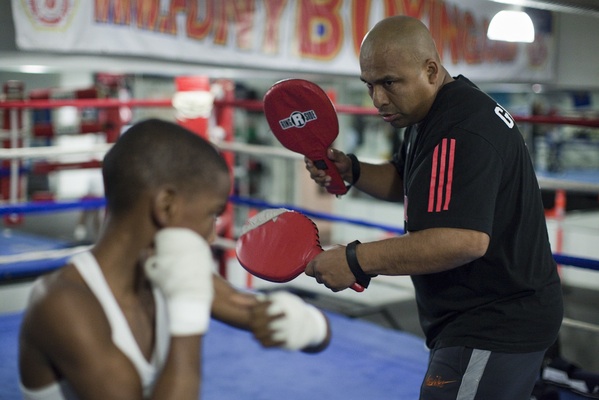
<point>15,242</point>
<point>364,361</point>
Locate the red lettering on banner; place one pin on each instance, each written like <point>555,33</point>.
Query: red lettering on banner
<point>240,11</point>
<point>147,13</point>
<point>113,11</point>
<point>473,44</point>
<point>503,52</point>
<point>412,8</point>
<point>274,10</point>
<point>318,25</point>
<point>450,23</point>
<point>444,29</point>
<point>434,23</point>
<point>199,28</point>
<point>167,23</point>
<point>220,23</point>
<point>459,33</point>
<point>360,14</point>
<point>493,51</point>
<point>319,28</point>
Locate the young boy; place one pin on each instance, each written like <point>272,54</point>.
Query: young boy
<point>126,319</point>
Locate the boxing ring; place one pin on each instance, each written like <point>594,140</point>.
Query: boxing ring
<point>364,360</point>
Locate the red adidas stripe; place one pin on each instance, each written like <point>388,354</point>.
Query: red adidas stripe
<point>449,174</point>
<point>441,181</point>
<point>433,183</point>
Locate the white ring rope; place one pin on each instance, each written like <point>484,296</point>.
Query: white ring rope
<point>567,185</point>
<point>220,242</point>
<point>253,149</point>
<point>51,151</point>
<point>587,326</point>
<point>42,255</point>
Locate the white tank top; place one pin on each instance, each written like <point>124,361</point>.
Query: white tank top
<point>121,334</point>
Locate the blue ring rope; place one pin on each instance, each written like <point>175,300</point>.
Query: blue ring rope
<point>88,204</point>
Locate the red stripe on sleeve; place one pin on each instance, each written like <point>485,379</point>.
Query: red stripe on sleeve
<point>433,182</point>
<point>442,173</point>
<point>449,174</point>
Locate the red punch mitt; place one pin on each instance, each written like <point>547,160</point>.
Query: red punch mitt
<point>304,120</point>
<point>277,245</point>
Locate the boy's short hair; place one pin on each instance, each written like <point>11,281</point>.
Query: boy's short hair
<point>153,153</point>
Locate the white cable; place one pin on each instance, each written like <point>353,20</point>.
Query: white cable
<point>259,150</point>
<point>42,255</point>
<point>573,186</point>
<point>252,149</point>
<point>50,151</point>
<point>587,326</point>
<point>220,242</point>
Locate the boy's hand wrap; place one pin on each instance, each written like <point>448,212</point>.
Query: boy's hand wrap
<point>301,325</point>
<point>182,269</point>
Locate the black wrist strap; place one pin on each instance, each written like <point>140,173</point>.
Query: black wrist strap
<point>355,169</point>
<point>354,265</point>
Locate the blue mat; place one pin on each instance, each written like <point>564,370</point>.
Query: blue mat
<point>364,361</point>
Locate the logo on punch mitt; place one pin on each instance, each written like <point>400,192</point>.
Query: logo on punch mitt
<point>297,119</point>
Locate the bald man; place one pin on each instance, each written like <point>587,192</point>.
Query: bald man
<point>476,243</point>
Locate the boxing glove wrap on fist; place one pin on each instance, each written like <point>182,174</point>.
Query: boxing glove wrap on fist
<point>182,269</point>
<point>302,325</point>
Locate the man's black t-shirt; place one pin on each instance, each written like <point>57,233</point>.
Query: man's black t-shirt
<point>466,166</point>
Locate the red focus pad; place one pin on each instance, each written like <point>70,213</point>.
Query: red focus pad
<point>276,245</point>
<point>304,120</point>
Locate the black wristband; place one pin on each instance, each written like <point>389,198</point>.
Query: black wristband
<point>355,168</point>
<point>354,265</point>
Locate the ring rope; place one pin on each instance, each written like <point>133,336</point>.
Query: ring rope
<point>252,105</point>
<point>314,214</point>
<point>220,242</point>
<point>51,151</point>
<point>61,255</point>
<point>253,149</point>
<point>43,255</point>
<point>587,326</point>
<point>51,206</point>
<point>36,207</point>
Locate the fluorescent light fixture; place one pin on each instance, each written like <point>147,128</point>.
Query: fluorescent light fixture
<point>33,69</point>
<point>511,26</point>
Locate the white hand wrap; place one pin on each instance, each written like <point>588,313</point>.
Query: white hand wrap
<point>182,270</point>
<point>302,324</point>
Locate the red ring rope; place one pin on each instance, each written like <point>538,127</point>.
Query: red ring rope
<point>252,105</point>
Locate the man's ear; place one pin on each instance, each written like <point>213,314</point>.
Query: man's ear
<point>164,206</point>
<point>432,70</point>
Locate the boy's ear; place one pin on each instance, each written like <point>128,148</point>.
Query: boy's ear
<point>164,206</point>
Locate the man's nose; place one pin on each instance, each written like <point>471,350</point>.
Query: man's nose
<point>379,97</point>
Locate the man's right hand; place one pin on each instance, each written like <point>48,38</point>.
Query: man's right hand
<point>341,161</point>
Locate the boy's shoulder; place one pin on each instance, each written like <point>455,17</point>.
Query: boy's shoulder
<point>58,301</point>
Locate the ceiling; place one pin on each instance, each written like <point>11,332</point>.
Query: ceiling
<point>572,6</point>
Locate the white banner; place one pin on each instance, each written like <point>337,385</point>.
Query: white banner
<point>294,35</point>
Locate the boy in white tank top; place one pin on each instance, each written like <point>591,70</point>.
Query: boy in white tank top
<point>126,320</point>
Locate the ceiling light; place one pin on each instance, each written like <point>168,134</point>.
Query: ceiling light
<point>511,26</point>
<point>33,69</point>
